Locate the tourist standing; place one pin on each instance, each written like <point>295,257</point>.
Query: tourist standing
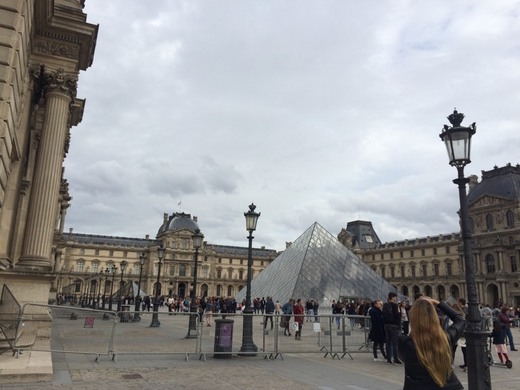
<point>427,351</point>
<point>392,321</point>
<point>299,314</point>
<point>287,310</point>
<point>377,329</point>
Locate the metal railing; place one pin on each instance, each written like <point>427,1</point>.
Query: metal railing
<point>69,329</point>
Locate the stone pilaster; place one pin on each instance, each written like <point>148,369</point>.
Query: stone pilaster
<point>58,90</point>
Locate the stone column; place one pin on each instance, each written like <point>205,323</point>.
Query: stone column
<point>58,89</point>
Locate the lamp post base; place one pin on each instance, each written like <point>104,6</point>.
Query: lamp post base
<point>192,327</point>
<point>248,346</point>
<point>155,320</point>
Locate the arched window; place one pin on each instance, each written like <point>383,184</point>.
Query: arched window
<point>219,273</point>
<point>219,290</point>
<point>230,292</point>
<point>490,263</point>
<point>182,270</point>
<point>510,219</point>
<point>489,222</point>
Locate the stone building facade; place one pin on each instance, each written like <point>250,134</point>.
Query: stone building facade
<point>87,260</point>
<point>44,44</point>
<point>434,265</point>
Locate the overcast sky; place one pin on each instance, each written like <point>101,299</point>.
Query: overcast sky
<point>316,111</point>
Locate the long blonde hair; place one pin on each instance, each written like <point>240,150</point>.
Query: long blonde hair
<point>431,342</point>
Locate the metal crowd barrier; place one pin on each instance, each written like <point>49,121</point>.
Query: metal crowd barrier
<point>70,329</point>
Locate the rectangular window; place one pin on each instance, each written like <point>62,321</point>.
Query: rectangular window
<point>382,256</point>
<point>95,267</point>
<point>423,252</point>
<point>97,252</point>
<point>424,270</point>
<point>411,254</point>
<point>448,250</point>
<point>172,270</point>
<point>111,253</point>
<point>402,271</point>
<point>413,271</point>
<point>436,269</point>
<point>81,266</point>
<point>435,251</point>
<point>220,260</point>
<point>205,272</point>
<point>448,269</point>
<point>401,254</point>
<point>514,266</point>
<point>392,272</point>
<point>391,255</point>
<point>230,261</point>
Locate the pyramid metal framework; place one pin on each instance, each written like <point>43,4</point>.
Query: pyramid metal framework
<point>317,266</point>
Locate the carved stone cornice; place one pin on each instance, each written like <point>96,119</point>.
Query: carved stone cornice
<point>61,31</point>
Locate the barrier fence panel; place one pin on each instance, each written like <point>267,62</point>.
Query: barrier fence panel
<point>66,329</point>
<point>170,337</point>
<point>320,334</point>
<point>71,329</point>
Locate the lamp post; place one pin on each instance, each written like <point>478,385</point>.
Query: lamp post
<point>119,296</point>
<point>137,317</point>
<point>458,144</point>
<point>107,271</point>
<point>155,317</point>
<point>192,328</point>
<point>248,347</point>
<point>113,270</point>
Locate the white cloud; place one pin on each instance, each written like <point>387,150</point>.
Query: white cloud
<point>324,113</point>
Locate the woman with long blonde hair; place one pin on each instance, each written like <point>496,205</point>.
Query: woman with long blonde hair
<point>427,351</point>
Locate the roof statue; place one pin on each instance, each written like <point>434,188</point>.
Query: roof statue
<point>317,266</point>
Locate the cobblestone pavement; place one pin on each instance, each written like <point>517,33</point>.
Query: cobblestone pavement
<point>72,371</point>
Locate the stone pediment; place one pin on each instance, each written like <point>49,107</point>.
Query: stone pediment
<point>486,201</point>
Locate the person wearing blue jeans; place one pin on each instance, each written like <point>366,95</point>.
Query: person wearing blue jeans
<point>506,324</point>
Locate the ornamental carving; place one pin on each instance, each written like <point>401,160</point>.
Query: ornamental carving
<point>56,49</point>
<point>57,81</point>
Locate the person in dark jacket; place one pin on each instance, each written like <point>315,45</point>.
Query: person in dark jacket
<point>427,351</point>
<point>392,321</point>
<point>377,329</point>
<point>269,310</point>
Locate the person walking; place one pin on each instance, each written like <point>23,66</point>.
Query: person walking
<point>287,310</point>
<point>269,310</point>
<point>392,321</point>
<point>427,351</point>
<point>377,329</point>
<point>506,323</point>
<point>403,310</point>
<point>499,341</point>
<point>210,308</point>
<point>299,314</point>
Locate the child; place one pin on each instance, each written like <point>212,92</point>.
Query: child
<point>499,340</point>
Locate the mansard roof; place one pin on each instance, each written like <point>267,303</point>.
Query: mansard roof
<point>237,251</point>
<point>93,239</point>
<point>503,182</point>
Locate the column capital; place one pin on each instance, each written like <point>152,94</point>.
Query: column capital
<point>54,81</point>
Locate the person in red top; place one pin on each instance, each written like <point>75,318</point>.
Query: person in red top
<point>299,312</point>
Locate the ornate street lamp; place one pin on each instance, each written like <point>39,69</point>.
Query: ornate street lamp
<point>155,317</point>
<point>113,270</point>
<point>137,317</point>
<point>192,328</point>
<point>458,145</point>
<point>248,347</point>
<point>119,296</point>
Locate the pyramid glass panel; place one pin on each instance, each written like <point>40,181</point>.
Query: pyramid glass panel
<point>317,266</point>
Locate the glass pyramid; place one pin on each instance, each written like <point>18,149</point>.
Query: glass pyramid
<point>317,266</point>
